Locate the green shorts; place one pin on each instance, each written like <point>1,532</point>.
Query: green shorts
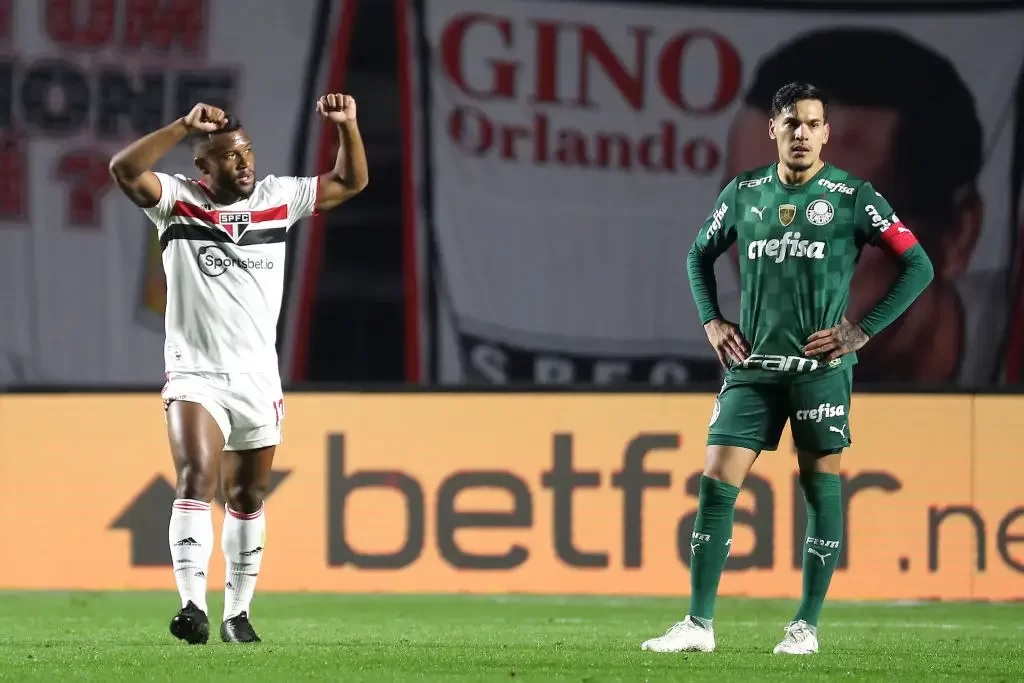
<point>753,414</point>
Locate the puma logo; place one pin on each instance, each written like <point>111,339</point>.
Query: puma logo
<point>758,211</point>
<point>821,557</point>
<point>840,431</point>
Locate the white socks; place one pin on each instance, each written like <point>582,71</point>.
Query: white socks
<point>242,542</point>
<point>190,536</point>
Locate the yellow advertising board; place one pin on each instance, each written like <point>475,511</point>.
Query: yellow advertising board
<point>521,493</point>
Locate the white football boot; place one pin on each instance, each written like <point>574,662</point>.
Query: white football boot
<point>688,635</point>
<point>801,639</point>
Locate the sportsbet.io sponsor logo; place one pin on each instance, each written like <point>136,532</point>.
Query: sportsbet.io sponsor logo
<point>214,261</point>
<point>790,246</point>
<point>822,412</point>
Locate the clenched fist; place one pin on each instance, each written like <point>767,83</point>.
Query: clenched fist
<point>205,118</point>
<point>337,107</point>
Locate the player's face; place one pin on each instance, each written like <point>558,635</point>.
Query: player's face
<point>799,133</point>
<point>230,163</point>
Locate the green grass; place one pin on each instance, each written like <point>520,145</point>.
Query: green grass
<point>123,636</point>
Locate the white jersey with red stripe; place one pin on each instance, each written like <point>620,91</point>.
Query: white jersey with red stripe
<point>225,271</point>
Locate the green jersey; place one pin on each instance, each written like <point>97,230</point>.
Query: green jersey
<point>797,248</point>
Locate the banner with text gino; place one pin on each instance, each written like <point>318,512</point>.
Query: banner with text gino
<point>523,493</point>
<point>80,267</point>
<point>570,151</point>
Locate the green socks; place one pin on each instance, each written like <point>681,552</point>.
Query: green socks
<point>823,493</point>
<point>712,540</point>
<point>710,544</point>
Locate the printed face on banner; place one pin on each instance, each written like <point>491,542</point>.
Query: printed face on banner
<point>885,145</point>
<point>604,134</point>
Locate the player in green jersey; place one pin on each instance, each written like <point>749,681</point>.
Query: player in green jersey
<point>799,226</point>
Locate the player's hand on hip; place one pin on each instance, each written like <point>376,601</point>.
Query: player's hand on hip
<point>727,342</point>
<point>337,107</point>
<point>844,338</point>
<point>205,118</point>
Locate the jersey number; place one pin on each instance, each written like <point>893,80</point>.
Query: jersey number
<point>279,410</point>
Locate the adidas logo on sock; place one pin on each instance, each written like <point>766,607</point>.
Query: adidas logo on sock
<point>186,541</point>
<point>255,551</point>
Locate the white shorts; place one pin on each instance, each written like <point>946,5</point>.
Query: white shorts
<point>248,407</point>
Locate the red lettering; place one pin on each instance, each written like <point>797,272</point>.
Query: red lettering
<point>86,173</point>
<point>665,150</point>
<point>630,86</point>
<point>627,75</point>
<point>510,135</point>
<point>608,144</point>
<point>545,89</point>
<point>701,155</point>
<point>572,148</point>
<point>467,122</point>
<point>503,73</point>
<point>80,23</point>
<point>541,142</point>
<point>670,71</point>
<point>14,188</point>
<point>164,23</point>
<point>540,139</point>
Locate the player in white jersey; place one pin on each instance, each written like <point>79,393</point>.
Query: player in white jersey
<point>223,242</point>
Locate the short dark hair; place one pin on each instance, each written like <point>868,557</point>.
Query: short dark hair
<point>879,67</point>
<point>791,93</point>
<point>201,141</point>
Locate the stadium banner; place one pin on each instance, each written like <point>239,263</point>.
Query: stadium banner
<point>522,493</point>
<point>80,270</point>
<point>568,151</point>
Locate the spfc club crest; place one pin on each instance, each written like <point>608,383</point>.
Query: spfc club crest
<point>235,223</point>
<point>787,212</point>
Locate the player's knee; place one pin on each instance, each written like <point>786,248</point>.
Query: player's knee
<point>196,482</point>
<point>823,462</point>
<point>729,464</point>
<point>245,498</point>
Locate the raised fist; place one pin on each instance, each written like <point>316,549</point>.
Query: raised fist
<point>337,107</point>
<point>205,118</point>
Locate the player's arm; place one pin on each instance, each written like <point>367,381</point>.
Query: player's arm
<point>884,229</point>
<point>715,237</point>
<point>350,174</point>
<point>131,167</point>
<point>878,225</point>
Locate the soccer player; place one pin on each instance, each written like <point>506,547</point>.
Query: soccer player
<point>223,241</point>
<point>800,225</point>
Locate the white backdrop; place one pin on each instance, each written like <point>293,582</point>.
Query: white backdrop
<point>553,269</point>
<point>81,284</point>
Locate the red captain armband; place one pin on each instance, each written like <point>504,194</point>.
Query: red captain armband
<point>898,238</point>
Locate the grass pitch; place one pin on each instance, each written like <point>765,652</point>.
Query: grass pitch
<point>123,637</point>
